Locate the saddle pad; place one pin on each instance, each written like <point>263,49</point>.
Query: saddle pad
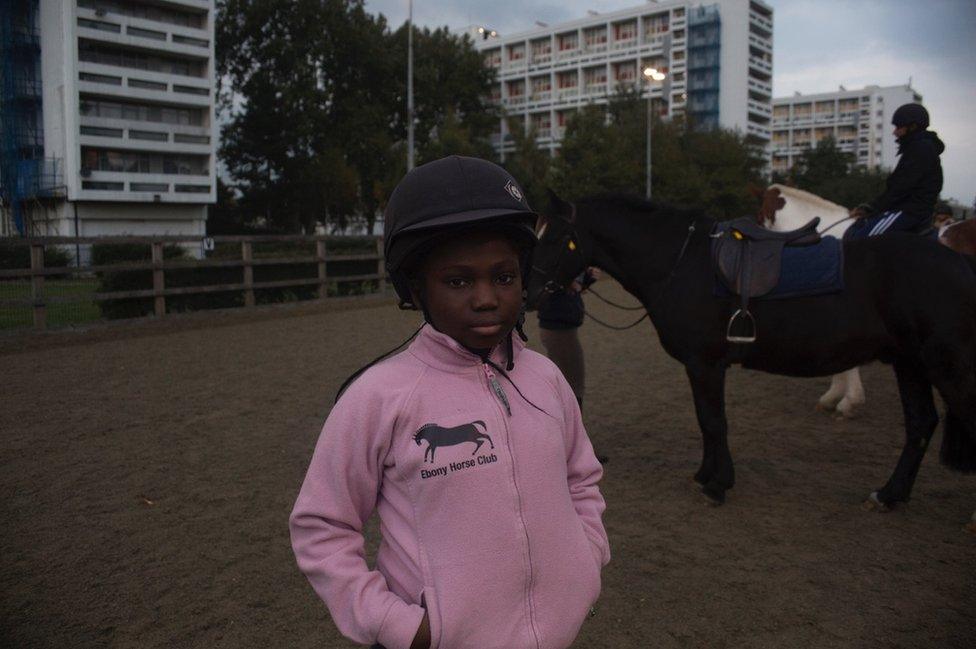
<point>807,270</point>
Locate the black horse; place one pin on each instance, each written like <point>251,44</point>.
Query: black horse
<point>907,302</point>
<point>440,436</point>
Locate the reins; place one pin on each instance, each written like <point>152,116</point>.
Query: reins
<point>667,282</point>
<point>835,224</point>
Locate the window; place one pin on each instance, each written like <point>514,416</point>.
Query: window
<point>97,159</point>
<point>143,112</point>
<point>148,187</point>
<point>190,90</point>
<point>146,33</point>
<point>148,85</point>
<point>92,184</point>
<point>100,78</point>
<point>138,9</point>
<point>92,52</point>
<point>204,139</point>
<point>97,24</point>
<point>148,135</point>
<point>186,40</point>
<point>101,132</point>
<point>193,189</point>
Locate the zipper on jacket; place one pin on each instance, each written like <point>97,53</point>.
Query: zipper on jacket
<point>530,581</point>
<point>496,387</point>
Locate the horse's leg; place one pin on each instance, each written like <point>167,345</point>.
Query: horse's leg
<point>716,474</point>
<point>430,451</point>
<point>853,394</point>
<point>485,435</point>
<point>838,386</point>
<point>477,445</point>
<point>921,419</point>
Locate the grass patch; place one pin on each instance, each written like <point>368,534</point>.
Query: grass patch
<point>58,315</point>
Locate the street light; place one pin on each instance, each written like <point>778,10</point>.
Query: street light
<point>651,74</point>
<point>410,86</point>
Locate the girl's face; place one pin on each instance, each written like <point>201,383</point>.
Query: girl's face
<point>473,288</point>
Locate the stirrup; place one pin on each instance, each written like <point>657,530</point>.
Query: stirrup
<point>745,315</point>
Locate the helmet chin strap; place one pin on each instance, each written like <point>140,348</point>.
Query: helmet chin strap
<point>509,344</point>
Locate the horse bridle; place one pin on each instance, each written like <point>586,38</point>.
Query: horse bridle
<point>571,245</point>
<point>571,251</point>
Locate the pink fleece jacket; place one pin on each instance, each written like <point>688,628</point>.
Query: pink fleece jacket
<point>489,508</point>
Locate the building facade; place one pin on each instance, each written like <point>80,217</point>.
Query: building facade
<point>858,120</point>
<point>113,110</point>
<point>717,57</point>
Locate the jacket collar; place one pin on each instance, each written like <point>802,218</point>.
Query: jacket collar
<point>440,351</point>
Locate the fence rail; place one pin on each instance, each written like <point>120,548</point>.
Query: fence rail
<point>39,300</point>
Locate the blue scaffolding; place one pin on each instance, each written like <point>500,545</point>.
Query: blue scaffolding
<point>704,57</point>
<point>26,176</point>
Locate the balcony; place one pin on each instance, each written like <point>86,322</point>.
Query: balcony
<point>595,88</point>
<point>145,34</point>
<point>540,95</point>
<point>130,83</point>
<point>764,24</point>
<point>567,93</point>
<point>761,64</point>
<point>821,118</point>
<point>543,133</point>
<point>514,100</point>
<point>625,43</point>
<point>565,55</point>
<point>762,43</point>
<point>760,108</point>
<point>541,58</point>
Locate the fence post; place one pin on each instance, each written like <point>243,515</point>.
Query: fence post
<point>246,257</point>
<point>37,286</point>
<point>380,267</point>
<point>320,253</point>
<point>159,284</point>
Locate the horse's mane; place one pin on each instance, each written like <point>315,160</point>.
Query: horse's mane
<point>807,197</point>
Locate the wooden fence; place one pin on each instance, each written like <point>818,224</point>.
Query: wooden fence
<point>37,272</point>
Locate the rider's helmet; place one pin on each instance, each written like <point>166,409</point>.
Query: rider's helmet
<point>440,198</point>
<point>908,114</point>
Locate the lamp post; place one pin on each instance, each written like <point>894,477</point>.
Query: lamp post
<point>650,74</point>
<point>410,86</point>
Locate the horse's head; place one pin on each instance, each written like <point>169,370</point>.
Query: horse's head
<point>772,201</point>
<point>559,256</point>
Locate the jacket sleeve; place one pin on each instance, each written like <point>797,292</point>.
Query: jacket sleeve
<point>337,497</point>
<point>915,162</point>
<point>583,473</point>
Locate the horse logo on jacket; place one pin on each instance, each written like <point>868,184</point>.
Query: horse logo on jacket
<point>439,436</point>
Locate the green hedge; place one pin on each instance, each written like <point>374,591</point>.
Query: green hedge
<point>16,256</point>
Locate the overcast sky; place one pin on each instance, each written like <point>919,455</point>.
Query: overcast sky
<point>818,46</point>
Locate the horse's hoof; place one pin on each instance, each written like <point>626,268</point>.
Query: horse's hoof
<point>823,407</point>
<point>846,410</point>
<point>713,498</point>
<point>874,504</point>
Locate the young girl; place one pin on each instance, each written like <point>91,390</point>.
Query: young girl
<point>469,446</point>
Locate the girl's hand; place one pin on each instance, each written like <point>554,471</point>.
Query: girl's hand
<point>422,639</point>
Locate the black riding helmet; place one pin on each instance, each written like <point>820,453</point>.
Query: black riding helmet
<point>908,114</point>
<point>441,198</point>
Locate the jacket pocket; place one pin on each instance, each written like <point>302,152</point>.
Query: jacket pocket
<point>428,600</point>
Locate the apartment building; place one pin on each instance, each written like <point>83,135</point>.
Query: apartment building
<point>858,120</point>
<point>112,108</point>
<point>717,57</point>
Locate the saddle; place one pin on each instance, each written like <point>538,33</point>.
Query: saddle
<point>748,260</point>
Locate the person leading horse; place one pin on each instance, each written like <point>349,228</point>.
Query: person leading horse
<point>914,185</point>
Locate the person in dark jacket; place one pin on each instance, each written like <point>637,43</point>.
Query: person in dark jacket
<point>914,185</point>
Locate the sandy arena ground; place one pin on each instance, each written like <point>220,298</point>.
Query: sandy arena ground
<point>147,473</point>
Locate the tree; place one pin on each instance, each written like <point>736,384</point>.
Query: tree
<point>830,173</point>
<point>528,163</point>
<point>605,151</point>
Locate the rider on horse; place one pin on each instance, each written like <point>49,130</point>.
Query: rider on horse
<point>914,185</point>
